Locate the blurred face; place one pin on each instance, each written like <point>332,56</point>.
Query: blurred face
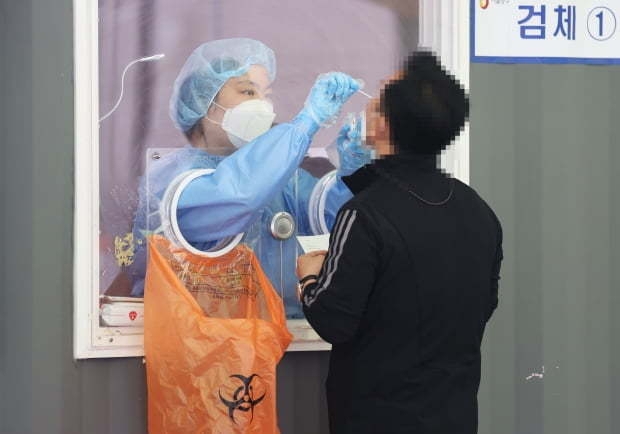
<point>377,133</point>
<point>254,84</point>
<point>377,125</point>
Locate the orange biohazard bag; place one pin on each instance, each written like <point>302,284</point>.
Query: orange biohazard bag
<point>214,331</point>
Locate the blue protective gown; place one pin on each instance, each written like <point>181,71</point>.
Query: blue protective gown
<point>246,190</point>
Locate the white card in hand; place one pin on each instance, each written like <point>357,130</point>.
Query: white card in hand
<point>314,242</point>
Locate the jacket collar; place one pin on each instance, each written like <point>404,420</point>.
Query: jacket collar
<point>402,166</point>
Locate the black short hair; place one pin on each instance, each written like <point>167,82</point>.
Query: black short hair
<point>426,107</point>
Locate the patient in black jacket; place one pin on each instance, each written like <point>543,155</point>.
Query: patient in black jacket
<point>411,275</point>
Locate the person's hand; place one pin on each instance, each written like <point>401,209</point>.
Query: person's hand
<point>310,263</point>
<point>352,154</point>
<point>328,95</point>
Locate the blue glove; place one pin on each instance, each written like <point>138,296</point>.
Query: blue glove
<point>328,95</point>
<point>351,152</point>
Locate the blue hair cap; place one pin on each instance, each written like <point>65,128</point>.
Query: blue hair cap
<point>207,69</point>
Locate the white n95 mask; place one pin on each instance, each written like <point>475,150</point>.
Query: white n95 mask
<point>246,121</point>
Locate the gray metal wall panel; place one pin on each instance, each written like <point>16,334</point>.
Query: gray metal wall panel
<point>16,387</point>
<point>544,152</point>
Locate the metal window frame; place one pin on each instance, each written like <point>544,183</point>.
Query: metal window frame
<point>444,26</point>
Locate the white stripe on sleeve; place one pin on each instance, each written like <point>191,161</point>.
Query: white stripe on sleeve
<point>339,236</point>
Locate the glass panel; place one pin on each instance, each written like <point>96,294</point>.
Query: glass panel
<point>365,39</point>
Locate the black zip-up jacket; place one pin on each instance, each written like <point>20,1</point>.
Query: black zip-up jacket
<point>408,285</point>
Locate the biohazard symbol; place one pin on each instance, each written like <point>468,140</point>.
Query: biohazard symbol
<point>243,397</point>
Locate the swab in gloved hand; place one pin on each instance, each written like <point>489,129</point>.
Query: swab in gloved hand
<point>329,93</point>
<point>362,84</point>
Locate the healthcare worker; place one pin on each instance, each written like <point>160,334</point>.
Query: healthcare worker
<point>239,178</point>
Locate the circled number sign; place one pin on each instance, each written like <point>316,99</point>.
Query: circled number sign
<point>602,23</point>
